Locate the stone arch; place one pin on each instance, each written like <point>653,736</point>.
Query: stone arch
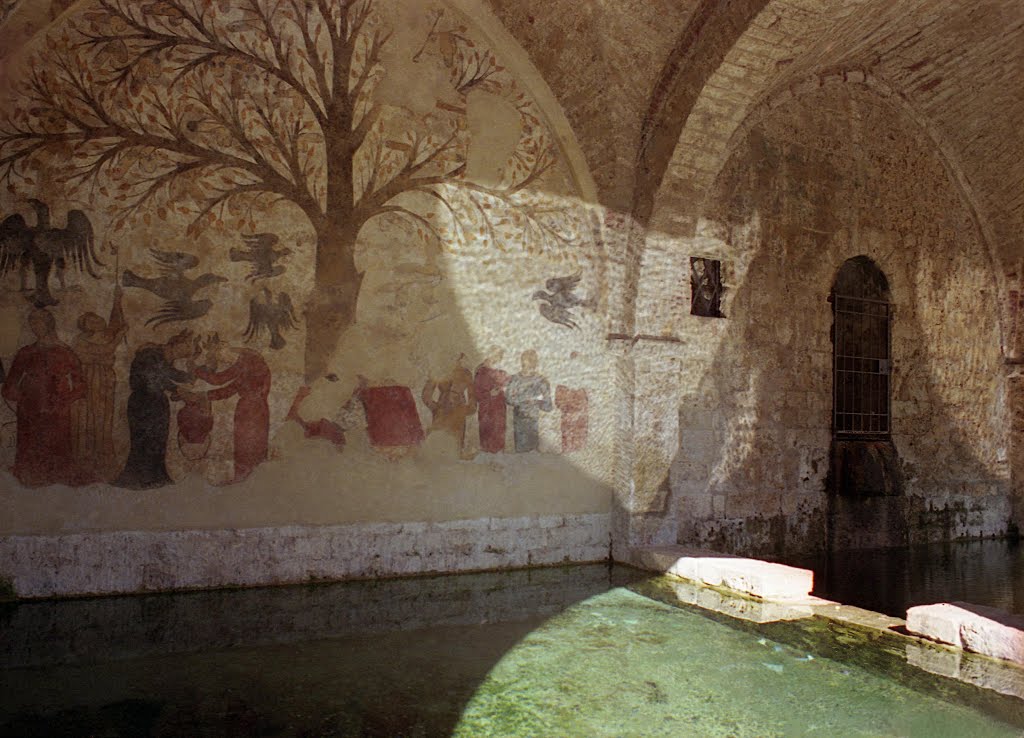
<point>772,99</point>
<point>785,244</point>
<point>766,51</point>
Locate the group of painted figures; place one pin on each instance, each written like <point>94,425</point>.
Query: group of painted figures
<point>489,391</point>
<point>390,416</point>
<point>64,399</point>
<point>64,395</point>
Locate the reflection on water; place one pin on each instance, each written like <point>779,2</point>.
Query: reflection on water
<point>577,651</point>
<point>891,580</point>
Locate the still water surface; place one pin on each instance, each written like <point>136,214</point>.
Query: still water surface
<point>891,580</point>
<point>578,651</point>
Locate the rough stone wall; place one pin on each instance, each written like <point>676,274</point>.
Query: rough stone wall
<point>828,175</point>
<point>711,430</point>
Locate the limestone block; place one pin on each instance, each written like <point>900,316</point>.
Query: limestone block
<point>938,622</point>
<point>750,576</point>
<point>764,579</point>
<point>983,630</point>
<point>994,633</point>
<point>116,562</point>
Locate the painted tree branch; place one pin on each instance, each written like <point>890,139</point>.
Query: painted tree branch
<point>272,101</point>
<point>204,46</point>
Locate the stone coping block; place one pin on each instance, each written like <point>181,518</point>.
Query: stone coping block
<point>753,577</point>
<point>983,630</point>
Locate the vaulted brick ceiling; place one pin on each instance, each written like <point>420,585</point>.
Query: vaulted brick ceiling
<point>626,70</point>
<point>602,59</point>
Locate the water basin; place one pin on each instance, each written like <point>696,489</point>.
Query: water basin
<point>577,651</point>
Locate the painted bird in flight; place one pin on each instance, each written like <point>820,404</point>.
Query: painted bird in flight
<point>177,290</point>
<point>260,252</point>
<point>560,299</point>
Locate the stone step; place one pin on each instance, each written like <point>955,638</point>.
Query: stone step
<point>749,576</point>
<point>976,628</point>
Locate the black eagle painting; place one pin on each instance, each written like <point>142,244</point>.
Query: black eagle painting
<point>45,249</point>
<point>262,255</point>
<point>270,317</point>
<point>560,299</point>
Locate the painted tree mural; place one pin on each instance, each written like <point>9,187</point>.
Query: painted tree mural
<point>209,108</point>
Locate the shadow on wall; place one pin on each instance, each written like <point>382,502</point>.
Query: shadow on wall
<point>401,331</point>
<point>755,433</point>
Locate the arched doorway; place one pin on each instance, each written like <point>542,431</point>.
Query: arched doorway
<point>866,508</point>
<point>861,351</point>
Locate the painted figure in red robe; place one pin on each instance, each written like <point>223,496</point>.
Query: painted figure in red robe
<point>489,389</point>
<point>44,380</point>
<point>248,376</point>
<point>573,403</point>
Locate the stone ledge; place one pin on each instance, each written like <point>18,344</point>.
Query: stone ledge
<point>121,562</point>
<point>983,630</point>
<point>753,577</point>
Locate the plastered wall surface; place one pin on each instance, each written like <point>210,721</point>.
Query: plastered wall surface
<point>291,266</point>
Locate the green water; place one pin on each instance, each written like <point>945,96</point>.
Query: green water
<point>622,664</point>
<point>577,651</point>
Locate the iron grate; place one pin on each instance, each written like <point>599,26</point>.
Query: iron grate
<point>861,367</point>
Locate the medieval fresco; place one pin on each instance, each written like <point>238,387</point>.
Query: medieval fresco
<point>258,244</point>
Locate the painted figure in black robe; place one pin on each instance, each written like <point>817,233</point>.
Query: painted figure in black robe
<point>154,381</point>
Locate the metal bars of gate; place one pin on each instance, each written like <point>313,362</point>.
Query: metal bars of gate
<point>861,364</point>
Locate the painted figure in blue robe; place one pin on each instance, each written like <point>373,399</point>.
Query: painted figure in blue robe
<point>529,394</point>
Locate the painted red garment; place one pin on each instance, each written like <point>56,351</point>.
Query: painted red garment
<point>44,381</point>
<point>249,378</point>
<point>574,405</point>
<point>195,420</point>
<point>391,417</point>
<point>489,389</point>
